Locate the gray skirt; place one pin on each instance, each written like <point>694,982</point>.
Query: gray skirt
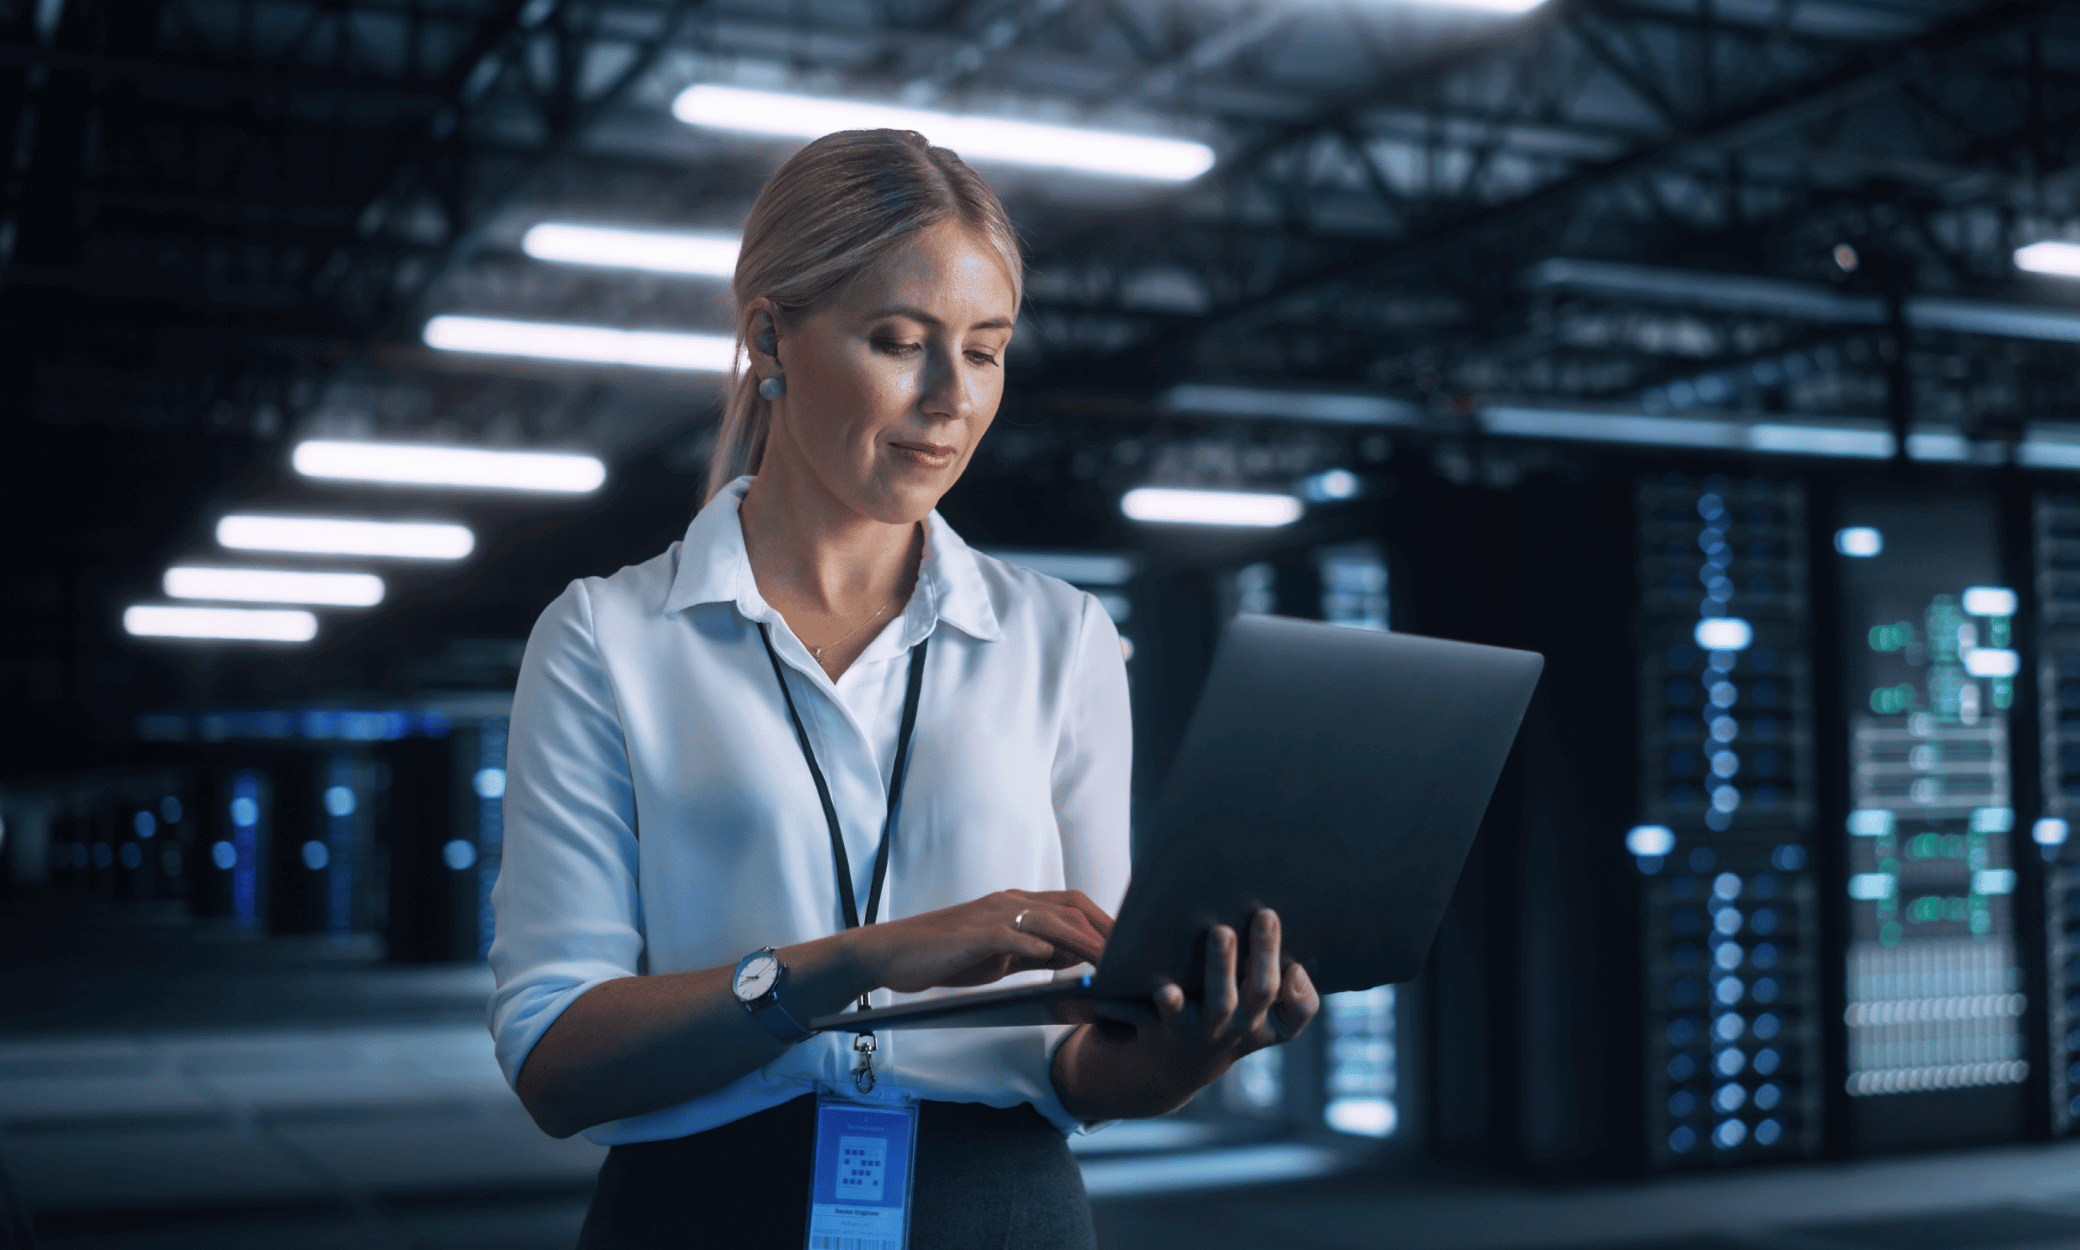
<point>995,1177</point>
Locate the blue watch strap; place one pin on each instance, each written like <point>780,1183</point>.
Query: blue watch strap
<point>779,1023</point>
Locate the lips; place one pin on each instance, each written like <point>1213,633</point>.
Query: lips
<point>934,455</point>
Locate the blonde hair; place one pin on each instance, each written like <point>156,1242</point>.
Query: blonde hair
<point>836,208</point>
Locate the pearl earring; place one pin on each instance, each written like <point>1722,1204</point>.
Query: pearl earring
<point>773,387</point>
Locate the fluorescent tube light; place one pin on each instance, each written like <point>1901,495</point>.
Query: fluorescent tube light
<point>410,540</point>
<point>1992,662</point>
<point>1860,541</point>
<point>1724,633</point>
<point>1209,507</point>
<point>1650,840</point>
<point>596,345</point>
<point>978,139</point>
<point>415,464</point>
<point>342,590</point>
<point>661,251</point>
<point>2050,256</point>
<point>239,624</point>
<point>1205,399</point>
<point>1990,601</point>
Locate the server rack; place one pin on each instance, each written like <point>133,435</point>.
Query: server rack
<point>2055,550</point>
<point>1936,975</point>
<point>1730,910</point>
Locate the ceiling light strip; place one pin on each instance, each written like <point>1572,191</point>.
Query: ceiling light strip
<point>1165,505</point>
<point>660,251</point>
<point>414,464</point>
<point>340,590</point>
<point>595,345</point>
<point>983,140</point>
<point>228,624</point>
<point>407,540</point>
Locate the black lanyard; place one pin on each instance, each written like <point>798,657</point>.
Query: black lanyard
<point>823,789</point>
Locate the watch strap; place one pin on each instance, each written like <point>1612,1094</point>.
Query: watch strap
<point>777,1020</point>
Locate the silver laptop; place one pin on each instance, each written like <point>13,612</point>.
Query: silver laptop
<point>1336,775</point>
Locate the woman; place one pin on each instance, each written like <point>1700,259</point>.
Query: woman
<point>820,752</point>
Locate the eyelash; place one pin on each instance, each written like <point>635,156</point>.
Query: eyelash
<point>894,348</point>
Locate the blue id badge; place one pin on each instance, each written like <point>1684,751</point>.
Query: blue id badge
<point>859,1198</point>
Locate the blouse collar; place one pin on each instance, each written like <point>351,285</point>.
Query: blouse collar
<point>713,568</point>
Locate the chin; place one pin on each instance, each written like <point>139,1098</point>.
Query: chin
<point>904,503</point>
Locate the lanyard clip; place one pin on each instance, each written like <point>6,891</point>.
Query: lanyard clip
<point>863,1045</point>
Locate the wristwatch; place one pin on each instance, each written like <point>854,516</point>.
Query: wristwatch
<point>757,983</point>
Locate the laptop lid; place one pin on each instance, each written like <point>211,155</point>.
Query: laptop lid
<point>1336,775</point>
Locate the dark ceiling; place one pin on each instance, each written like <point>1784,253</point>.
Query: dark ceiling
<point>225,221</point>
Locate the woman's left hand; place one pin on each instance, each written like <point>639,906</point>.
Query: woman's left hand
<point>1266,1000</point>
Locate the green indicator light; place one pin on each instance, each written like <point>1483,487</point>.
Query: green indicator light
<point>1892,700</point>
<point>1997,631</point>
<point>1889,934</point>
<point>2003,687</point>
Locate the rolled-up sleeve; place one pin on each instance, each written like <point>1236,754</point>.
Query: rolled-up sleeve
<point>1093,769</point>
<point>566,903</point>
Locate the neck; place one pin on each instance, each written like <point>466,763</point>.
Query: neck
<point>806,547</point>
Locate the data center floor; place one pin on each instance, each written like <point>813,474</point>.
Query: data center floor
<point>169,1086</point>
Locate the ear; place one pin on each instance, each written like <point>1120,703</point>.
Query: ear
<point>761,336</point>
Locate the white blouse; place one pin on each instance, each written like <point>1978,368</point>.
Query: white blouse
<point>659,816</point>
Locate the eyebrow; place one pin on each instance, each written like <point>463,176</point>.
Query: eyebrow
<point>919,314</point>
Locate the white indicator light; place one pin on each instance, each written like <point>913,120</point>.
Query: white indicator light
<point>339,590</point>
<point>595,345</point>
<point>708,255</point>
<point>489,783</point>
<point>1990,601</point>
<point>458,854</point>
<point>977,139</point>
<point>414,464</point>
<point>1724,633</point>
<point>1871,822</point>
<point>1993,819</point>
<point>1209,507</point>
<point>236,624</point>
<point>2062,259</point>
<point>1992,662</point>
<point>2050,831</point>
<point>1870,886</point>
<point>410,540</point>
<point>1650,840</point>
<point>1993,881</point>
<point>1859,540</point>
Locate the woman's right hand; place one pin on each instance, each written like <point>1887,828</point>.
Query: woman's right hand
<point>985,940</point>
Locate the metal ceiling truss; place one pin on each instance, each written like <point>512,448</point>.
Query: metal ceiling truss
<point>278,189</point>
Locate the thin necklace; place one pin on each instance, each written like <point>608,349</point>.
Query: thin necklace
<point>818,651</point>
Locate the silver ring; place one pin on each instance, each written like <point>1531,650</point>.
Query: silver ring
<point>1018,923</point>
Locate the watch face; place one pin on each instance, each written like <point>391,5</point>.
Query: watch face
<point>756,975</point>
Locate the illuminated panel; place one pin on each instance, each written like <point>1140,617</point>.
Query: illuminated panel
<point>342,801</point>
<point>1724,823</point>
<point>488,784</point>
<point>2057,553</point>
<point>241,852</point>
<point>1935,998</point>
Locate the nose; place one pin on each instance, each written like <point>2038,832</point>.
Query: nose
<point>945,395</point>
